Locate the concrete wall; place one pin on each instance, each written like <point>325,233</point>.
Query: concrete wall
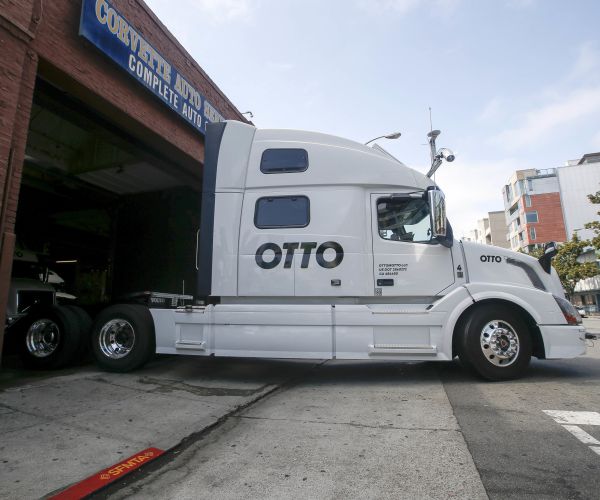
<point>576,182</point>
<point>498,229</point>
<point>482,230</point>
<point>541,185</point>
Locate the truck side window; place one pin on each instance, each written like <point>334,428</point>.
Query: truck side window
<point>285,160</point>
<point>404,220</point>
<point>282,211</point>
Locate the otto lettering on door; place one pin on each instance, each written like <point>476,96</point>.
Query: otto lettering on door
<point>324,259</point>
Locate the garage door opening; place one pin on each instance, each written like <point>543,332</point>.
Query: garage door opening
<point>108,214</point>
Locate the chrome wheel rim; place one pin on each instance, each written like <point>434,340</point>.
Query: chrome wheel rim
<point>117,338</point>
<point>500,343</point>
<point>42,338</point>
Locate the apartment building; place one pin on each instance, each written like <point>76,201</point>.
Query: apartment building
<point>532,209</point>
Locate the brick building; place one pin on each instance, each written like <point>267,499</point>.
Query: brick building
<point>102,116</point>
<point>533,211</point>
<point>551,204</point>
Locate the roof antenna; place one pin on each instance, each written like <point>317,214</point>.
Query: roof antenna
<point>430,122</point>
<point>436,156</point>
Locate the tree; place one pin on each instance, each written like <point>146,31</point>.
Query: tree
<point>595,225</point>
<point>569,270</point>
<point>536,252</point>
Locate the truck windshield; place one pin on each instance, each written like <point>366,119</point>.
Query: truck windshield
<point>404,220</point>
<point>24,269</point>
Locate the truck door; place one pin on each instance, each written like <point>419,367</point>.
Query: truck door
<point>407,262</point>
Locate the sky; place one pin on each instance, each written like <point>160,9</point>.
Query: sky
<point>512,84</point>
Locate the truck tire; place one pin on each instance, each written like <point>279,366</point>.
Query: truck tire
<point>495,343</point>
<point>123,337</point>
<point>84,323</point>
<point>50,339</point>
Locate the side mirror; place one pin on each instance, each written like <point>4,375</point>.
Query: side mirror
<point>439,223</point>
<point>437,205</point>
<point>550,250</point>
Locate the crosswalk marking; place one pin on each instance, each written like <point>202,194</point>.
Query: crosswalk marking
<point>571,420</point>
<point>580,434</point>
<point>575,417</point>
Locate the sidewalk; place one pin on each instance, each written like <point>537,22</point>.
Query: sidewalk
<point>59,428</point>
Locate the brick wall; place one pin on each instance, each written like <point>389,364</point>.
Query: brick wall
<point>42,38</point>
<point>17,78</point>
<point>28,32</point>
<point>550,225</point>
<point>89,75</point>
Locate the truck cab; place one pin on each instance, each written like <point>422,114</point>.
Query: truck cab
<point>323,217</point>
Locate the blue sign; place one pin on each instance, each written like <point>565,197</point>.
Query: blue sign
<point>108,30</point>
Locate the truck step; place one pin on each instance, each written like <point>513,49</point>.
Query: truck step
<point>399,308</point>
<point>403,350</point>
<point>189,344</point>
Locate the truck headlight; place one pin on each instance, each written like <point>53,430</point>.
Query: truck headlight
<point>568,310</point>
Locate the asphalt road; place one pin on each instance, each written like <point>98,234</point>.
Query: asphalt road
<point>520,451</point>
<point>382,430</point>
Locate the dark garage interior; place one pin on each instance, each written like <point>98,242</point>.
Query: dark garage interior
<point>106,213</point>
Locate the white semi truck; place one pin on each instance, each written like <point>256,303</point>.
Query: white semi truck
<point>314,246</point>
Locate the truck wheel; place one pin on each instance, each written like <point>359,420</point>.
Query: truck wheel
<point>50,339</point>
<point>85,327</point>
<point>123,337</point>
<point>495,343</point>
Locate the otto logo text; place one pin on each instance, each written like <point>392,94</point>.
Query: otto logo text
<point>327,260</point>
<point>491,258</point>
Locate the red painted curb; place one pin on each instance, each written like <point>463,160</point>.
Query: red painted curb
<point>108,475</point>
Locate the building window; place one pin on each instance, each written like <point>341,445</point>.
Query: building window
<point>531,216</point>
<point>527,200</point>
<point>532,233</point>
<point>404,220</point>
<point>282,211</point>
<point>280,161</point>
<point>514,225</point>
<point>521,236</point>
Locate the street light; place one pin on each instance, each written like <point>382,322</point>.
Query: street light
<point>393,135</point>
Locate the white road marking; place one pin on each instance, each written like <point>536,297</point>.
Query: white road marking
<point>575,417</point>
<point>568,419</point>
<point>580,434</point>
